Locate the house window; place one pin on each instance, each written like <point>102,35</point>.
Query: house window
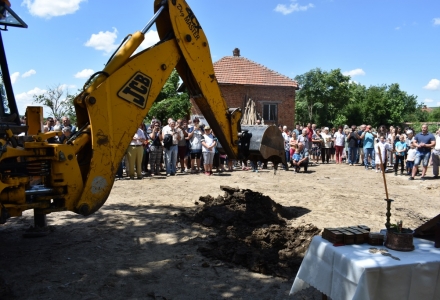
<point>270,112</point>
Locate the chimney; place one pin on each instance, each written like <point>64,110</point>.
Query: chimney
<point>236,52</point>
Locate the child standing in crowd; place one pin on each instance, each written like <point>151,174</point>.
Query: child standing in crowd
<point>410,159</point>
<point>384,147</point>
<point>400,149</point>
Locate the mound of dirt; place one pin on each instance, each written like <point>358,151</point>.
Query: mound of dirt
<point>253,232</point>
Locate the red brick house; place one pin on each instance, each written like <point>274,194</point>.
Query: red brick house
<point>274,94</point>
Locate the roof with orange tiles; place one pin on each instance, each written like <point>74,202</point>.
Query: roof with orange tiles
<point>240,70</point>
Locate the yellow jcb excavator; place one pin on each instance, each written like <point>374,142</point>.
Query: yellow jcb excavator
<point>79,174</point>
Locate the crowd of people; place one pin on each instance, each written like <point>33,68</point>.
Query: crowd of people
<point>63,126</point>
<point>187,146</point>
<point>386,149</point>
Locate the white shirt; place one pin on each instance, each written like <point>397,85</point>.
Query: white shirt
<point>138,138</point>
<point>384,147</point>
<point>209,140</point>
<point>173,132</point>
<point>411,155</point>
<point>339,139</point>
<point>327,139</point>
<point>436,150</point>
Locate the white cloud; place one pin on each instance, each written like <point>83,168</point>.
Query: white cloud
<point>433,84</point>
<point>103,41</point>
<point>436,21</point>
<point>355,72</point>
<point>26,99</point>
<point>397,28</point>
<point>50,8</point>
<point>438,103</point>
<point>14,77</point>
<point>292,7</point>
<point>427,100</point>
<point>29,73</point>
<point>151,38</point>
<point>86,73</point>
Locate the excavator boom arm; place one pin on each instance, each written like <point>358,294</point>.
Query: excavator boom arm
<point>78,175</point>
<point>117,102</point>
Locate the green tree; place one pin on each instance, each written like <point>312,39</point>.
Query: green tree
<point>170,103</point>
<point>434,115</point>
<point>381,105</point>
<point>399,104</point>
<point>417,115</point>
<point>324,94</point>
<point>354,111</point>
<point>57,99</point>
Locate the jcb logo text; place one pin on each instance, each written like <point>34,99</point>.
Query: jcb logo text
<point>136,90</point>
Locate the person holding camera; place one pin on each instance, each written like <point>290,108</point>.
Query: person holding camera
<point>368,137</point>
<point>195,138</point>
<point>182,150</point>
<point>353,142</point>
<point>155,148</point>
<point>175,134</point>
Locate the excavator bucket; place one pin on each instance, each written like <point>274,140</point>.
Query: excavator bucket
<point>266,144</point>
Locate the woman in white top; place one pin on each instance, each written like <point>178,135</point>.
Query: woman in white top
<point>326,145</point>
<point>208,150</point>
<point>339,144</point>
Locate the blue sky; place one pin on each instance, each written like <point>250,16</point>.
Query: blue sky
<point>376,42</point>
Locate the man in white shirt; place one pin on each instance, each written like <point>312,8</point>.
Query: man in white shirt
<point>135,154</point>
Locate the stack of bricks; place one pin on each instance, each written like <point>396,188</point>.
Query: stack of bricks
<point>347,235</point>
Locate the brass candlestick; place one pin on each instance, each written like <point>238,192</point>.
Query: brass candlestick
<point>388,214</point>
<point>387,224</point>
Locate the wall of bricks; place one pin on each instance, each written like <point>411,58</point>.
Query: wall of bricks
<point>238,95</point>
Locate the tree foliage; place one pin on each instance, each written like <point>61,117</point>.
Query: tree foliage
<point>434,115</point>
<point>322,96</point>
<point>330,99</point>
<point>170,103</point>
<point>58,100</point>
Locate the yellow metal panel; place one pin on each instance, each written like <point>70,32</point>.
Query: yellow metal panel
<point>114,120</point>
<point>197,71</point>
<point>34,119</point>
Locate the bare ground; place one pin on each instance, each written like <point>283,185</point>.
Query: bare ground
<point>142,245</point>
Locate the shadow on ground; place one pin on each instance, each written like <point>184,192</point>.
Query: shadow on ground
<point>122,252</point>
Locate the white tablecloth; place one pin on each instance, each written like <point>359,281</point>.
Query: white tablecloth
<point>352,272</point>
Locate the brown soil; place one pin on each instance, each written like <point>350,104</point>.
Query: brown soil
<point>141,244</point>
<point>253,232</point>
